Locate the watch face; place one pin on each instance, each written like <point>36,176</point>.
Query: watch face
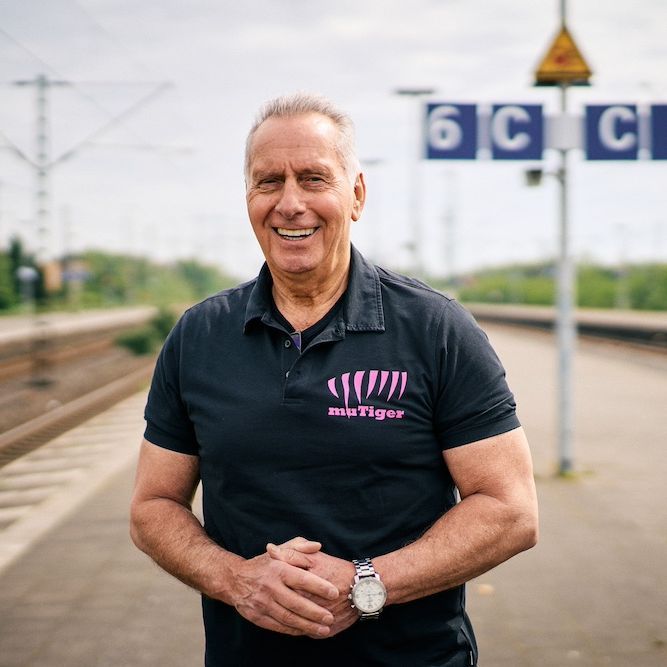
<point>369,595</point>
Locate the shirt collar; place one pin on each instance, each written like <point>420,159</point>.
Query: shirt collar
<point>362,306</point>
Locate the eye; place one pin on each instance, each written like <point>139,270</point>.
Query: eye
<point>313,179</point>
<point>268,183</point>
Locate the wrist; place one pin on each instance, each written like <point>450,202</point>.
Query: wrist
<point>368,594</point>
<point>223,577</point>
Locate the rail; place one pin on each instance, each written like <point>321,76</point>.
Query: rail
<point>645,329</point>
<point>36,432</point>
<point>58,337</point>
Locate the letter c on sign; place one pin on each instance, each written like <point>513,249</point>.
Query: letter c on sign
<point>500,128</point>
<point>607,129</point>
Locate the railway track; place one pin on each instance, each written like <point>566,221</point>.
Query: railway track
<point>44,355</point>
<point>640,330</point>
<point>60,369</point>
<point>51,340</point>
<point>29,436</point>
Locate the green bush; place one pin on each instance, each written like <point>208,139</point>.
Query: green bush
<point>8,294</point>
<point>163,323</point>
<point>598,287</point>
<point>139,341</point>
<point>146,340</point>
<point>641,287</point>
<point>517,284</point>
<point>647,287</point>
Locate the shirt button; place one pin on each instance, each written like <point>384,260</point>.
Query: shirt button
<point>288,342</point>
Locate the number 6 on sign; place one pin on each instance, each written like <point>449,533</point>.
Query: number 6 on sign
<point>451,131</point>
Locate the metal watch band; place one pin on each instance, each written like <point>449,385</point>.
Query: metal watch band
<point>364,567</point>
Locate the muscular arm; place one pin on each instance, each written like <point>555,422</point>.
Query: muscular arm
<point>496,519</point>
<point>164,527</point>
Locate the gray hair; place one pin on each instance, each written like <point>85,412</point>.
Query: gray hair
<point>298,104</point>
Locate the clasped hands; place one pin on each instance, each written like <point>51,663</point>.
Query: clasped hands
<point>297,589</point>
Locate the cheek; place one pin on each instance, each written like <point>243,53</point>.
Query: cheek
<point>257,211</point>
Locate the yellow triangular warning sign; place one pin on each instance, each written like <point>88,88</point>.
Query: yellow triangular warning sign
<point>563,63</point>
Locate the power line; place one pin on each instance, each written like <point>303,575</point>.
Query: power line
<point>43,164</point>
<point>76,85</point>
<point>100,28</point>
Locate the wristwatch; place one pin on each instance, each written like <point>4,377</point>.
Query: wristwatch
<point>368,593</point>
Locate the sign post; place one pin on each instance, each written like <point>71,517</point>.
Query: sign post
<point>563,66</point>
<point>621,131</point>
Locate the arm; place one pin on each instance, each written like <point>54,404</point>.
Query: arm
<point>496,519</point>
<point>164,527</point>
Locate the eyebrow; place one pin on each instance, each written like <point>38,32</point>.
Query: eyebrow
<point>261,173</point>
<point>265,173</point>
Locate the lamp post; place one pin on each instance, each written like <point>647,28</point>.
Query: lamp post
<point>413,178</point>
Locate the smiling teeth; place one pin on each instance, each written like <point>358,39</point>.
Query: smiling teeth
<point>295,233</point>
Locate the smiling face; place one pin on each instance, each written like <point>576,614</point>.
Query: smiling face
<point>301,200</point>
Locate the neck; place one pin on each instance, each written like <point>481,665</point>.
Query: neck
<point>303,303</point>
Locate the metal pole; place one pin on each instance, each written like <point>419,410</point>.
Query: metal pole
<point>566,332</point>
<point>42,163</point>
<point>449,226</point>
<point>565,328</point>
<point>415,195</point>
<point>414,177</point>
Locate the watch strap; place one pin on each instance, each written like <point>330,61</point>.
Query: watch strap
<point>365,569</point>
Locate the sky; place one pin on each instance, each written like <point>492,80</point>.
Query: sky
<point>154,99</point>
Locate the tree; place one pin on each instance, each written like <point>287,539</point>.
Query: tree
<point>8,296</point>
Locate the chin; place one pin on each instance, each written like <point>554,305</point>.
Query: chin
<point>296,263</point>
<point>296,268</point>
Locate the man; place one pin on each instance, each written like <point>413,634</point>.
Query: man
<point>332,410</point>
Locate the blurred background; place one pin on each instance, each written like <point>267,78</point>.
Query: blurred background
<point>122,130</point>
<point>148,105</point>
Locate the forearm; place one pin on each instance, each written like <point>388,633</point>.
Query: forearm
<point>174,538</point>
<point>473,537</point>
<point>271,594</point>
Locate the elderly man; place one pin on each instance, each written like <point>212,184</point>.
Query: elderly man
<point>331,410</point>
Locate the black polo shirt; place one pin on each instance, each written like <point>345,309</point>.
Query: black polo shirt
<point>341,443</point>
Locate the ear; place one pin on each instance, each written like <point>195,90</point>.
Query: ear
<point>359,196</point>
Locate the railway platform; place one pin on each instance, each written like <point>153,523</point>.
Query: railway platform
<point>18,328</point>
<point>75,591</point>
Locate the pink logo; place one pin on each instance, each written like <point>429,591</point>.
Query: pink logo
<point>362,385</point>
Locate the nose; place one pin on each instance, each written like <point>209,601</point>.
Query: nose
<point>291,201</point>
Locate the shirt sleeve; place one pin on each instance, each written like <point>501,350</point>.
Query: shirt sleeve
<point>167,422</point>
<point>473,401</point>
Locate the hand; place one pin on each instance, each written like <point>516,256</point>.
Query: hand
<point>335,570</point>
<point>280,596</point>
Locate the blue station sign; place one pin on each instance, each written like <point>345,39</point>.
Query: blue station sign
<point>518,131</point>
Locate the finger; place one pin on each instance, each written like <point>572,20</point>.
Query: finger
<point>270,623</point>
<point>298,613</point>
<point>289,555</point>
<point>303,545</point>
<point>302,580</point>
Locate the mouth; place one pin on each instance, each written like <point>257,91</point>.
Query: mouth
<point>295,234</point>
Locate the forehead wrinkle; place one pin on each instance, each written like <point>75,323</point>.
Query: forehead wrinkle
<point>323,137</point>
<point>280,166</point>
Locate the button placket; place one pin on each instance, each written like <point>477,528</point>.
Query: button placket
<point>290,355</point>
